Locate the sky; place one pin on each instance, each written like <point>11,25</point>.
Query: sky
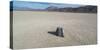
<point>40,5</point>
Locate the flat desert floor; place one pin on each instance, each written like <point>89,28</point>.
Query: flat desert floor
<point>30,29</point>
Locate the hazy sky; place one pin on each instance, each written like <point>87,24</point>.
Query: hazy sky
<point>40,5</point>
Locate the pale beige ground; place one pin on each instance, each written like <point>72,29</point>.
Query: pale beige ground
<point>30,29</point>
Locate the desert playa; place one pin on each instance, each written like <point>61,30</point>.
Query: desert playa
<point>30,29</point>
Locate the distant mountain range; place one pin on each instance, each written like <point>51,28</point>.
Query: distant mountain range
<point>84,9</point>
<point>65,8</point>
